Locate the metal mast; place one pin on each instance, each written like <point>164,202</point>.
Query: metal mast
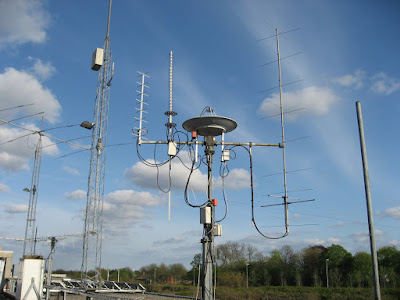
<point>93,230</point>
<point>371,226</point>
<point>31,216</point>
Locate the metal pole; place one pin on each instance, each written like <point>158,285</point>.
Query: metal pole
<point>247,275</point>
<point>327,273</point>
<point>369,203</point>
<point>285,196</point>
<point>50,267</point>
<point>207,286</point>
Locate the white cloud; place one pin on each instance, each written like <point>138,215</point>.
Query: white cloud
<point>383,84</point>
<point>144,176</point>
<point>70,170</point>
<point>20,88</point>
<point>393,212</point>
<point>362,236</point>
<point>236,179</point>
<point>4,188</point>
<point>16,208</point>
<point>130,197</point>
<point>311,100</point>
<point>125,208</point>
<point>394,243</point>
<point>168,242</point>
<point>76,195</point>
<point>15,155</point>
<point>349,80</point>
<point>42,70</point>
<point>334,240</point>
<point>22,21</point>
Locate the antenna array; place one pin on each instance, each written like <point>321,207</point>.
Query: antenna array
<point>93,226</point>
<point>140,131</point>
<point>33,193</point>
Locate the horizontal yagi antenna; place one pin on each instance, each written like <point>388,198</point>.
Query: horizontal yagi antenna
<point>294,202</point>
<point>285,112</point>
<point>287,172</point>
<point>277,87</point>
<point>282,58</point>
<point>280,33</point>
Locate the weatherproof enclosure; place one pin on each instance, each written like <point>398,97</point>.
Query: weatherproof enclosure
<point>30,278</point>
<point>205,215</point>
<point>97,59</point>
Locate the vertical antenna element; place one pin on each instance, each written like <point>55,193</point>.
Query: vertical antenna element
<point>93,227</point>
<point>283,146</point>
<point>170,112</point>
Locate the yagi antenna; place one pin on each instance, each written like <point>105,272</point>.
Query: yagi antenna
<point>140,131</point>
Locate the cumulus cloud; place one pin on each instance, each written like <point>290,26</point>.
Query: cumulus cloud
<point>16,208</point>
<point>146,177</point>
<point>42,70</point>
<point>352,80</point>
<point>174,240</point>
<point>393,212</point>
<point>22,21</point>
<point>76,195</point>
<point>21,88</point>
<point>14,155</point>
<point>382,84</point>
<point>4,188</point>
<point>311,100</point>
<point>237,179</point>
<point>125,208</point>
<point>326,242</point>
<point>362,236</point>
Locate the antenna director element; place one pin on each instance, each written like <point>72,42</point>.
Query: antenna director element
<point>210,125</point>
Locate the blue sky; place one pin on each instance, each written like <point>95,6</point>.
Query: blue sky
<point>348,53</point>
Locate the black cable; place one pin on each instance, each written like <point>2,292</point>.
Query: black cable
<point>186,189</point>
<point>252,196</point>
<point>223,175</point>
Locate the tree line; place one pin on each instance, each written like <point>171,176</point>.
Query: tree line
<point>314,266</point>
<point>239,264</point>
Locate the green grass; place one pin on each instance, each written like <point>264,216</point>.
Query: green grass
<point>280,293</point>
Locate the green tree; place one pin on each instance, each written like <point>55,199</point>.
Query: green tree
<point>340,265</point>
<point>196,260</point>
<point>177,271</point>
<point>362,270</point>
<point>231,254</point>
<point>310,261</point>
<point>389,266</point>
<point>274,267</point>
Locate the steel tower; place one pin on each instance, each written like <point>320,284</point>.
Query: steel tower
<point>33,193</point>
<point>93,230</point>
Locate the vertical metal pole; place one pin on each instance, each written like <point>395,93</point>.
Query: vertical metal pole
<point>207,287</point>
<point>247,275</point>
<point>50,267</point>
<point>369,203</point>
<point>327,273</point>
<point>285,196</point>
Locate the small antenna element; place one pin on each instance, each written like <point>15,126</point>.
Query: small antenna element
<point>170,112</point>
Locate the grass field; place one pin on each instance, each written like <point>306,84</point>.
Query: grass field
<point>280,293</point>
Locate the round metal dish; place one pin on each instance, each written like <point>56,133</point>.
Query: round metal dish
<point>210,125</point>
